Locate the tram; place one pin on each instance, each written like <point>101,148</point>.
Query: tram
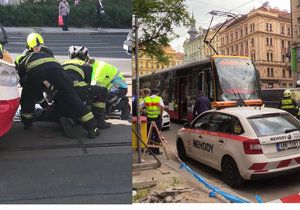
<point>226,80</point>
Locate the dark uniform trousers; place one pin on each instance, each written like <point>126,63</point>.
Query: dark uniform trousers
<point>118,100</point>
<point>92,95</point>
<point>67,102</point>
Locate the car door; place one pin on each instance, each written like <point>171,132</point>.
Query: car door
<point>198,138</point>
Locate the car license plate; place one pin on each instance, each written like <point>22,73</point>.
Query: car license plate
<point>288,145</point>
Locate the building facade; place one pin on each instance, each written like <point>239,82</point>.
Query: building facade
<point>265,35</point>
<point>148,65</point>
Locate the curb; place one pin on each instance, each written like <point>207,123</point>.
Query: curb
<point>43,32</point>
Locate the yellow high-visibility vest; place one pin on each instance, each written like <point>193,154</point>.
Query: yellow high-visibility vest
<point>152,106</point>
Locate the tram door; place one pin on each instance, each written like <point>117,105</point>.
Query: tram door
<point>183,85</point>
<point>205,82</point>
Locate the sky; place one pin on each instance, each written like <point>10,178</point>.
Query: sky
<point>201,8</point>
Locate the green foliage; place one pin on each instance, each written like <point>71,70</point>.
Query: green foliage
<point>157,20</point>
<point>44,13</point>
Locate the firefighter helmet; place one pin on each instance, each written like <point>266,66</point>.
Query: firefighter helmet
<point>79,52</point>
<point>287,93</point>
<point>34,40</point>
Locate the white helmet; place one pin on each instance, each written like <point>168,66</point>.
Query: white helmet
<point>79,52</point>
<point>287,93</point>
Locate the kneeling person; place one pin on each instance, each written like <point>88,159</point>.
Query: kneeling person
<point>80,73</point>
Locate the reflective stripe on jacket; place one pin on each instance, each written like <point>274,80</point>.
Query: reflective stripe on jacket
<point>287,103</point>
<point>152,106</point>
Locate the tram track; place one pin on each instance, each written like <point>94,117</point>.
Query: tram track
<point>79,145</point>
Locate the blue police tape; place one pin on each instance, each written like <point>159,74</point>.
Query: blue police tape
<point>258,198</point>
<point>231,198</point>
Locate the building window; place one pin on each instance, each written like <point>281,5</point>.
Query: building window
<point>237,48</point>
<point>253,56</point>
<point>268,56</point>
<point>242,48</point>
<point>270,72</point>
<point>267,26</point>
<point>282,30</point>
<point>270,27</point>
<point>298,20</point>
<point>227,39</point>
<point>252,42</point>
<point>290,73</point>
<point>283,58</point>
<point>283,72</point>
<point>252,27</point>
<point>236,35</point>
<point>282,43</point>
<point>270,85</point>
<point>289,31</point>
<point>241,31</point>
<point>246,30</point>
<point>269,41</point>
<point>271,56</point>
<point>231,37</point>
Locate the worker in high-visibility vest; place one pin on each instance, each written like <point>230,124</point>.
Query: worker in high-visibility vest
<point>288,104</point>
<point>108,76</point>
<point>154,106</point>
<point>34,68</point>
<point>79,71</point>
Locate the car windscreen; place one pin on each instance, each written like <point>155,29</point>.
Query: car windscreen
<point>238,79</point>
<point>273,124</point>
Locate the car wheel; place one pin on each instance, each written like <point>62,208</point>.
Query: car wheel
<point>181,150</point>
<point>231,173</point>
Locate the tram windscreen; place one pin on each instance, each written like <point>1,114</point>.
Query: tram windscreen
<point>237,79</point>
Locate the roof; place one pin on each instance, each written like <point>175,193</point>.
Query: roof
<point>246,112</point>
<point>281,14</point>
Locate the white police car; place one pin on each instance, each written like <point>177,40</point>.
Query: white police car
<point>166,122</point>
<point>243,142</point>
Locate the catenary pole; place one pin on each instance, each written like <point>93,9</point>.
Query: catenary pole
<point>137,89</point>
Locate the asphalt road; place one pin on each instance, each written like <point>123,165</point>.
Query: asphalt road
<point>41,165</point>
<point>269,189</point>
<point>99,45</point>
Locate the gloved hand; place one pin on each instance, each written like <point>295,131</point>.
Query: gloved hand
<point>27,123</point>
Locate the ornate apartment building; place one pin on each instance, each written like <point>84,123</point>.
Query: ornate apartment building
<point>265,35</point>
<point>148,65</point>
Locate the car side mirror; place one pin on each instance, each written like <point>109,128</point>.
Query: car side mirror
<point>187,125</point>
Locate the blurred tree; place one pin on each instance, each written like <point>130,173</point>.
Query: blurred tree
<point>157,20</point>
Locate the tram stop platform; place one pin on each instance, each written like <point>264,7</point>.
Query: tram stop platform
<point>41,165</point>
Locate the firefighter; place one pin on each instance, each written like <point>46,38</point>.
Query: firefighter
<point>79,71</point>
<point>34,68</point>
<point>154,109</point>
<point>288,104</point>
<point>108,76</point>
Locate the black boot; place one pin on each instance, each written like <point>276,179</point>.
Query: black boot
<point>93,133</point>
<point>99,114</point>
<point>68,127</point>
